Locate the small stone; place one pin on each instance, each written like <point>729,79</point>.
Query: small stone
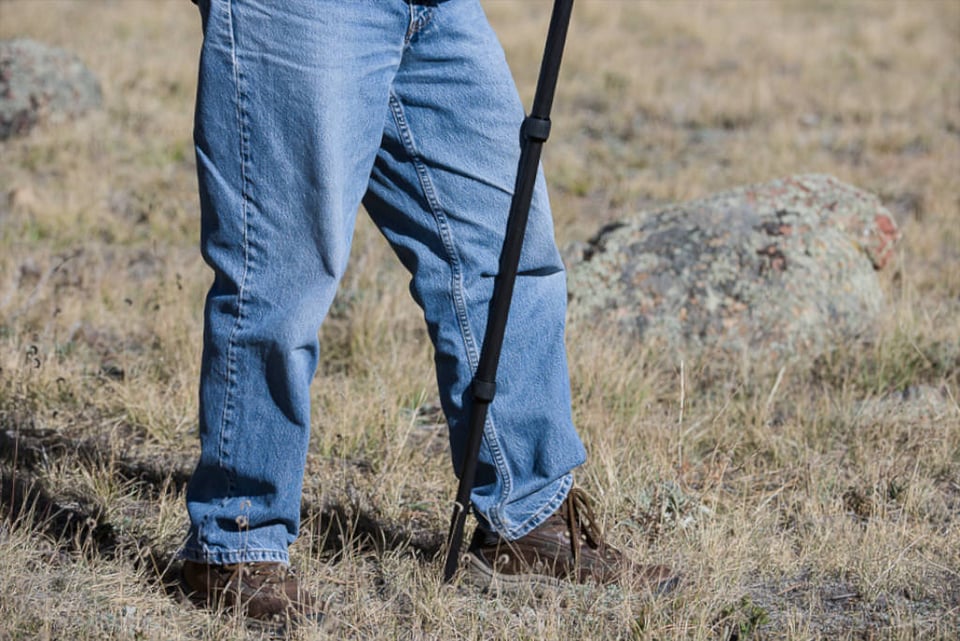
<point>39,83</point>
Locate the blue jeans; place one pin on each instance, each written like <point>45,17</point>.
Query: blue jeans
<point>305,110</point>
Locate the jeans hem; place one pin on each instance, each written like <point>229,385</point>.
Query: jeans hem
<point>232,557</point>
<point>541,515</point>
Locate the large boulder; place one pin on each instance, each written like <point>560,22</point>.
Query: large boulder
<point>772,270</point>
<point>40,83</point>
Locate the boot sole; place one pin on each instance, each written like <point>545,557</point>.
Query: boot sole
<point>482,576</point>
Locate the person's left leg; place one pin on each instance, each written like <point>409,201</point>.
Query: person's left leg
<point>440,192</point>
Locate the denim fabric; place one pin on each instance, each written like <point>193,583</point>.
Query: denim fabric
<point>305,110</point>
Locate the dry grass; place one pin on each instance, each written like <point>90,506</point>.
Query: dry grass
<point>815,501</point>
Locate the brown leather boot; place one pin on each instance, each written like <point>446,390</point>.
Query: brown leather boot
<point>268,592</point>
<point>568,546</point>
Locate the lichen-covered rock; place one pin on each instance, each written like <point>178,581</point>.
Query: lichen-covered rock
<point>40,83</point>
<point>773,270</point>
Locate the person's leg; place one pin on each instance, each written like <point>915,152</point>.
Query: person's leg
<point>290,106</point>
<point>440,192</point>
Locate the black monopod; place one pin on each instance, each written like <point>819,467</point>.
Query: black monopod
<point>533,133</point>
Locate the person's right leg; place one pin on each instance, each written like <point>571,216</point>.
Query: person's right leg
<point>290,108</point>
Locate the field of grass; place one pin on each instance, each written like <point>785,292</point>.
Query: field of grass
<point>814,500</point>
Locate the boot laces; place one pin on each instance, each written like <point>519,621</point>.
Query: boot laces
<point>582,522</point>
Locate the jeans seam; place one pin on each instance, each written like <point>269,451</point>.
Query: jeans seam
<point>417,22</point>
<point>443,229</point>
<point>229,387</point>
<point>456,289</point>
